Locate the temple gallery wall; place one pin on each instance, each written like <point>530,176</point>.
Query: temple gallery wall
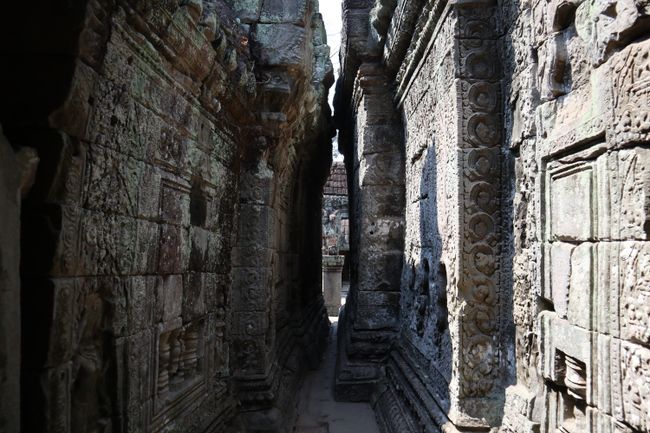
<point>162,171</point>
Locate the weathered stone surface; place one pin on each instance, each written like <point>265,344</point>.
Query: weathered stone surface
<point>376,237</point>
<point>170,243</point>
<point>336,215</point>
<point>164,182</point>
<point>280,44</point>
<point>279,11</point>
<point>571,209</point>
<point>332,282</point>
<point>525,198</point>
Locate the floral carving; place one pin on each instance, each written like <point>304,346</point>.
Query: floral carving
<point>480,136</point>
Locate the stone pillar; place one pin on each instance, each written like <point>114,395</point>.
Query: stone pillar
<point>375,162</point>
<point>477,318</point>
<point>332,281</point>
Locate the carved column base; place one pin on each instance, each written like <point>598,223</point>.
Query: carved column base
<point>268,402</point>
<point>355,382</point>
<point>359,363</point>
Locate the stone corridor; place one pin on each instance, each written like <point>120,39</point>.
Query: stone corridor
<point>165,227</point>
<point>318,412</point>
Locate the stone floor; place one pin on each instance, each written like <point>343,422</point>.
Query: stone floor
<point>319,413</point>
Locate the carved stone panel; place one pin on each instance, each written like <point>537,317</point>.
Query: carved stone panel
<point>180,369</point>
<point>592,344</point>
<point>480,120</point>
<point>631,74</point>
<point>571,198</point>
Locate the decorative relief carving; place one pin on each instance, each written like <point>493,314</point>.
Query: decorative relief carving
<point>127,214</point>
<point>635,292</point>
<point>69,244</point>
<point>180,370</point>
<point>89,399</point>
<point>607,25</point>
<point>250,282</point>
<point>221,345</point>
<point>249,356</point>
<point>477,19</point>
<point>631,72</point>
<point>635,376</point>
<point>73,181</point>
<point>480,98</point>
<point>476,61</point>
<point>598,268</point>
<point>111,181</point>
<point>179,362</point>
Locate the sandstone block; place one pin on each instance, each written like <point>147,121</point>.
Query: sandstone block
<point>141,295</point>
<point>169,256</point>
<point>560,275</point>
<point>581,286</point>
<point>248,11</point>
<point>172,297</point>
<point>381,169</point>
<point>280,11</point>
<point>194,297</point>
<point>280,44</point>
<point>571,199</point>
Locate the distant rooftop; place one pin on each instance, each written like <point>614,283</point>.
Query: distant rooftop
<point>337,183</point>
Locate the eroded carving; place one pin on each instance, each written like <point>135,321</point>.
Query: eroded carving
<point>89,399</point>
<point>480,167</point>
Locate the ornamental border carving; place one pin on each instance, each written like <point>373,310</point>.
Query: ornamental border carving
<point>479,100</point>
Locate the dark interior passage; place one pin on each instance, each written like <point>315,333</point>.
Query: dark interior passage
<point>170,231</point>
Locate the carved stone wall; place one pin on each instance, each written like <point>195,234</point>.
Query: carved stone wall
<point>279,319</point>
<point>523,287</point>
<point>576,106</point>
<point>443,362</point>
<point>164,179</point>
<point>171,242</point>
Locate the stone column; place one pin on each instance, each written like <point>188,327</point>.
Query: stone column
<point>332,281</point>
<point>375,164</point>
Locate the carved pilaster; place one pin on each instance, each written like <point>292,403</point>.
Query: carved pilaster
<point>477,395</point>
<point>368,325</point>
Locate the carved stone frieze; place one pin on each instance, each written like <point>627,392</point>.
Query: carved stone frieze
<point>479,95</point>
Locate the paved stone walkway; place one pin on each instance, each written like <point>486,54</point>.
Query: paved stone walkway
<point>319,413</point>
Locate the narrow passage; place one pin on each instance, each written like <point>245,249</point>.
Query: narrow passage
<point>319,413</point>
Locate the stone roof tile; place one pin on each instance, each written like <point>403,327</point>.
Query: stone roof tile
<point>337,183</point>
